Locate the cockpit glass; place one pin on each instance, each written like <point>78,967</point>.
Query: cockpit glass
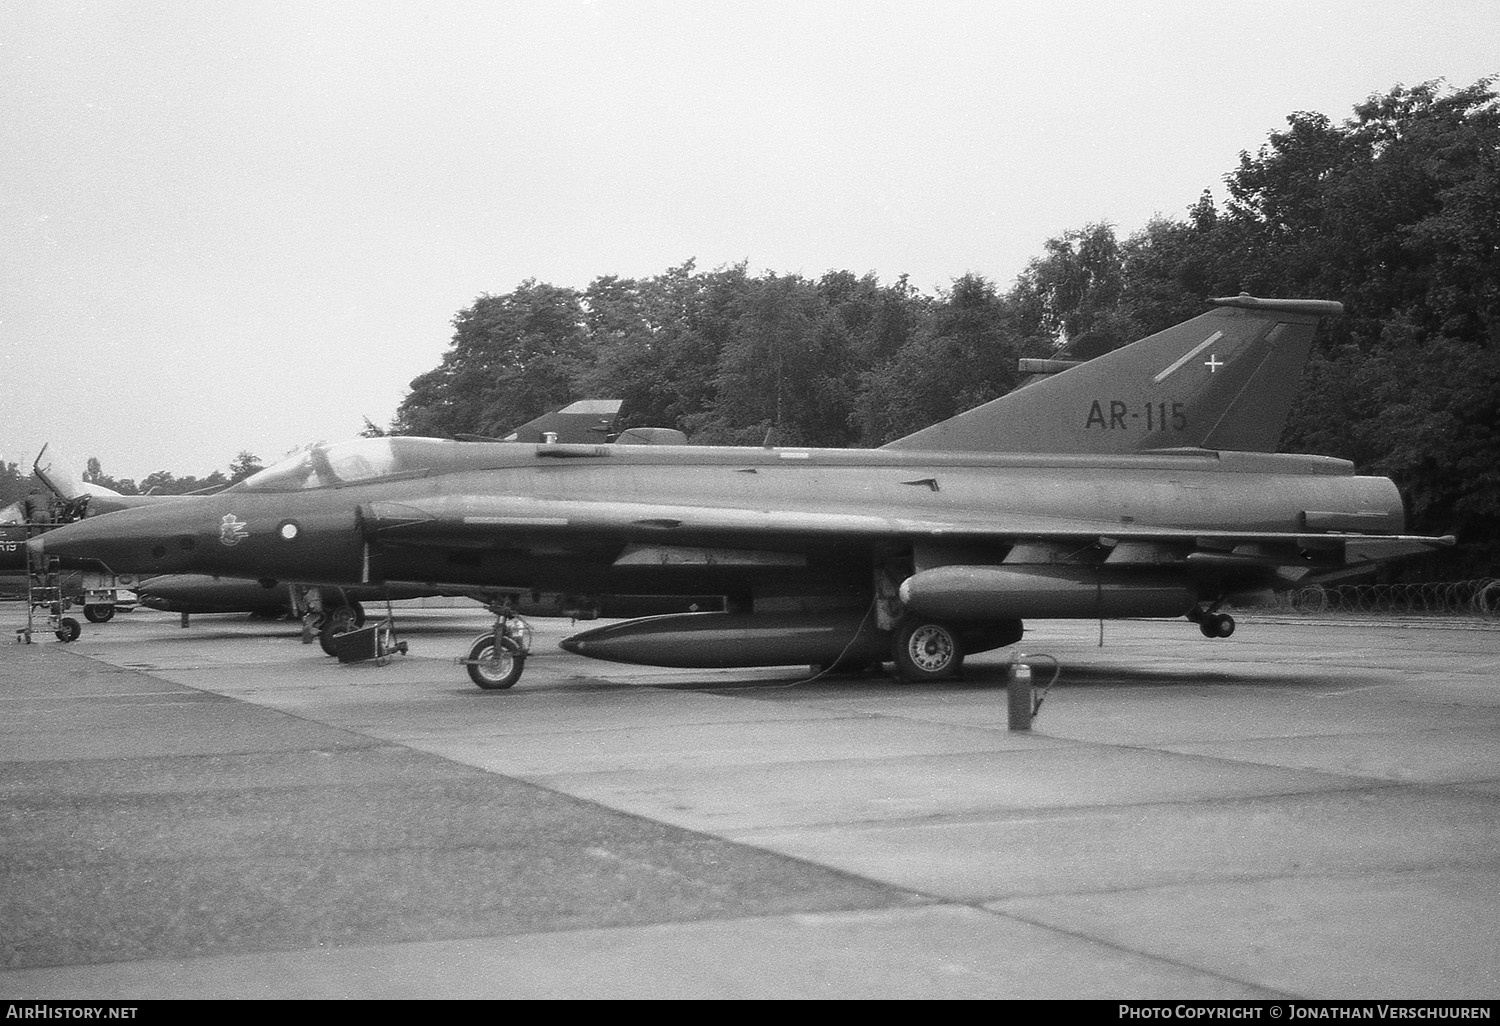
<point>322,466</point>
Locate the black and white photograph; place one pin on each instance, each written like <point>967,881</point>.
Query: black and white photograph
<point>802,500</point>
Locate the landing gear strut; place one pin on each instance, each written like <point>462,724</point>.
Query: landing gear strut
<point>497,657</point>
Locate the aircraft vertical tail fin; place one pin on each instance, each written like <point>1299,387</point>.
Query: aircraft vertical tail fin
<point>1223,380</point>
<point>583,422</point>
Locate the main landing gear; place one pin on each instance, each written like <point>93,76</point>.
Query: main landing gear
<point>926,650</point>
<point>345,635</point>
<point>1212,624</point>
<point>339,620</point>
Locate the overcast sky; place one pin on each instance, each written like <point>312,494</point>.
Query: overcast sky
<point>247,225</point>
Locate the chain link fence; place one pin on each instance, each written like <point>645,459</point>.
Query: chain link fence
<point>1477,598</point>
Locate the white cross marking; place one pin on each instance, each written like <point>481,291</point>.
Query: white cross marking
<point>1185,357</point>
<point>1213,363</point>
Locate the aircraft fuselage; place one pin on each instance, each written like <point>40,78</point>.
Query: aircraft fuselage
<point>650,519</point>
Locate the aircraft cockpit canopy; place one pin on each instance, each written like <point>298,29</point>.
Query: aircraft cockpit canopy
<point>325,465</point>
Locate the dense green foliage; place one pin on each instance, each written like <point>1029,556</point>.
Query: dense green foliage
<point>727,357</point>
<point>1395,212</point>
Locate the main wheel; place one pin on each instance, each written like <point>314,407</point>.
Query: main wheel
<point>926,650</point>
<point>326,634</point>
<point>99,614</point>
<point>340,620</point>
<point>1216,625</point>
<point>68,629</point>
<point>495,671</point>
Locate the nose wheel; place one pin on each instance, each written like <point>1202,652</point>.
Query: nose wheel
<point>497,657</point>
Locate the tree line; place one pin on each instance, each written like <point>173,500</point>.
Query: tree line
<point>14,484</point>
<point>163,482</point>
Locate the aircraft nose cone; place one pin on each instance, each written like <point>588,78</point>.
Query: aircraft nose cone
<point>138,540</point>
<point>72,541</point>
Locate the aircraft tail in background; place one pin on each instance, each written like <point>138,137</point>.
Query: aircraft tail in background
<point>587,421</point>
<point>1223,380</point>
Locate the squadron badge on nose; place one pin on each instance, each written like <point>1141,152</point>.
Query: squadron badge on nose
<point>232,530</point>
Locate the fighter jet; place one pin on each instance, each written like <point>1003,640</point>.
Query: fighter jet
<point>1142,483</point>
<point>63,499</point>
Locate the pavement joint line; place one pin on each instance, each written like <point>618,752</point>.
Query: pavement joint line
<point>876,760</point>
<point>1270,993</point>
<point>375,744</point>
<point>1319,696</point>
<point>1321,771</point>
<point>1083,812</point>
<point>1059,813</point>
<point>1259,878</point>
<point>84,694</point>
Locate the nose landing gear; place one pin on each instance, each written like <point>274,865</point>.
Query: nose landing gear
<point>497,657</point>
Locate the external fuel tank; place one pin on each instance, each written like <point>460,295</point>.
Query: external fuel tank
<point>1045,592</point>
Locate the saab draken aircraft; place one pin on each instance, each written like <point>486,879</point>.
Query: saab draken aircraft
<point>1142,483</point>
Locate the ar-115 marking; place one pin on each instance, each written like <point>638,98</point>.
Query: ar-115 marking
<point>1123,416</point>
